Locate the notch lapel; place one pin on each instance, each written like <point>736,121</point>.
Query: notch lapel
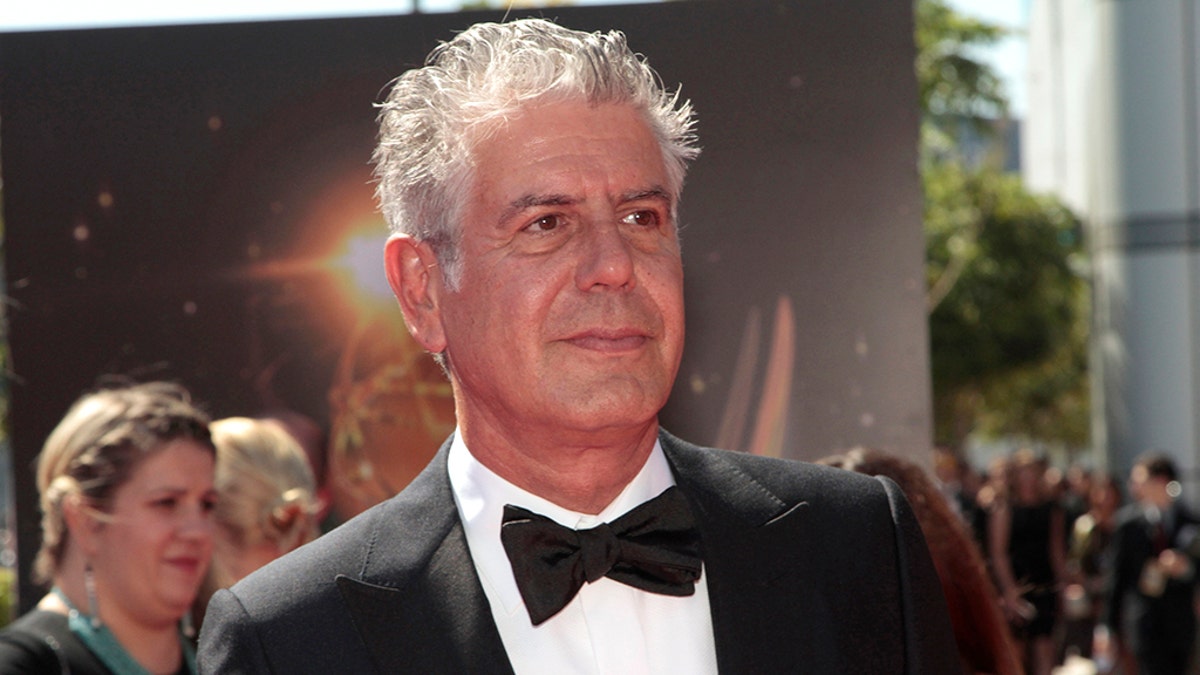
<point>744,535</point>
<point>782,599</point>
<point>417,603</point>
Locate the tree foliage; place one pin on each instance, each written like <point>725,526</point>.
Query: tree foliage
<point>951,82</point>
<point>1009,334</point>
<point>1008,312</point>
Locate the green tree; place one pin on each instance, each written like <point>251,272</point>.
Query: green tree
<point>952,83</point>
<point>1007,303</point>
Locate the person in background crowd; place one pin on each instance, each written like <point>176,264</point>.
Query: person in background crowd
<point>1149,604</point>
<point>995,486</point>
<point>532,175</point>
<point>1088,541</point>
<point>1027,549</point>
<point>314,442</point>
<point>961,486</point>
<point>980,630</point>
<point>267,503</point>
<point>1077,494</point>
<point>126,489</point>
<point>308,432</point>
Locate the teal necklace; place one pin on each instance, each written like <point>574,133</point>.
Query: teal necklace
<point>101,641</point>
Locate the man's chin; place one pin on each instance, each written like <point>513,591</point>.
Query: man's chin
<point>610,412</point>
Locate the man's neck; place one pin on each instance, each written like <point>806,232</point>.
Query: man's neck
<point>582,472</point>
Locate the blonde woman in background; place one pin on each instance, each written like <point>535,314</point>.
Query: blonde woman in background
<point>267,504</point>
<point>126,489</point>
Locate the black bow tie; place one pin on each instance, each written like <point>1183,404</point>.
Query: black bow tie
<point>654,547</point>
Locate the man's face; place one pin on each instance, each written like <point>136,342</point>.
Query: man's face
<point>569,311</point>
<point>1147,488</point>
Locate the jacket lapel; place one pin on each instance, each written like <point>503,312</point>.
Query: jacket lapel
<point>800,573</point>
<point>417,603</point>
<point>750,559</point>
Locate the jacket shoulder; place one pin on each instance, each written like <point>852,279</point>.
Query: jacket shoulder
<point>283,616</point>
<point>788,480</point>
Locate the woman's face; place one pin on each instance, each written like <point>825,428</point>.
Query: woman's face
<point>152,550</point>
<point>1105,497</point>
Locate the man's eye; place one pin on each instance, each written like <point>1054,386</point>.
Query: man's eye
<point>643,219</point>
<point>545,224</point>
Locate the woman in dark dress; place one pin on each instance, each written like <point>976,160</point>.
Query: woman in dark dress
<point>126,489</point>
<point>1026,540</point>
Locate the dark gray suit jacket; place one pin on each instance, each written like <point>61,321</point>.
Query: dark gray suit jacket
<point>809,570</point>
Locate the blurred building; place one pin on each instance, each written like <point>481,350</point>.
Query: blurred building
<point>1112,130</point>
<point>1001,147</point>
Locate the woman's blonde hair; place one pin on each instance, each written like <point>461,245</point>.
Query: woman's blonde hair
<point>265,487</point>
<point>97,446</point>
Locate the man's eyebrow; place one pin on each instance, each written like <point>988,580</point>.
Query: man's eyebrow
<point>655,192</point>
<point>530,201</point>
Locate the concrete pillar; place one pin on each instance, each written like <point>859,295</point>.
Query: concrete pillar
<point>1141,211</point>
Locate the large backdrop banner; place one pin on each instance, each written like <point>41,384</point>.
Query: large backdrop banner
<point>195,203</point>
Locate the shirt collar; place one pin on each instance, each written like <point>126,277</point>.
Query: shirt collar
<point>480,495</point>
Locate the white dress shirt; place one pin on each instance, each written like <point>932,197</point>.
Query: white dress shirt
<point>609,628</point>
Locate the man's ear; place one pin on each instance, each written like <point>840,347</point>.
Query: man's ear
<point>416,279</point>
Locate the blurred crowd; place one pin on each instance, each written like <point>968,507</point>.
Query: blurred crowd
<point>1091,572</point>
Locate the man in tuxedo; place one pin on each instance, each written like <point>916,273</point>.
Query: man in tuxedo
<point>531,175</point>
<point>1150,612</point>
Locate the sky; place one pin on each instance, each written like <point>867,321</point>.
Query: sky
<point>1009,57</point>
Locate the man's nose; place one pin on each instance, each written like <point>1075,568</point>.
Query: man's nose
<point>606,260</point>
